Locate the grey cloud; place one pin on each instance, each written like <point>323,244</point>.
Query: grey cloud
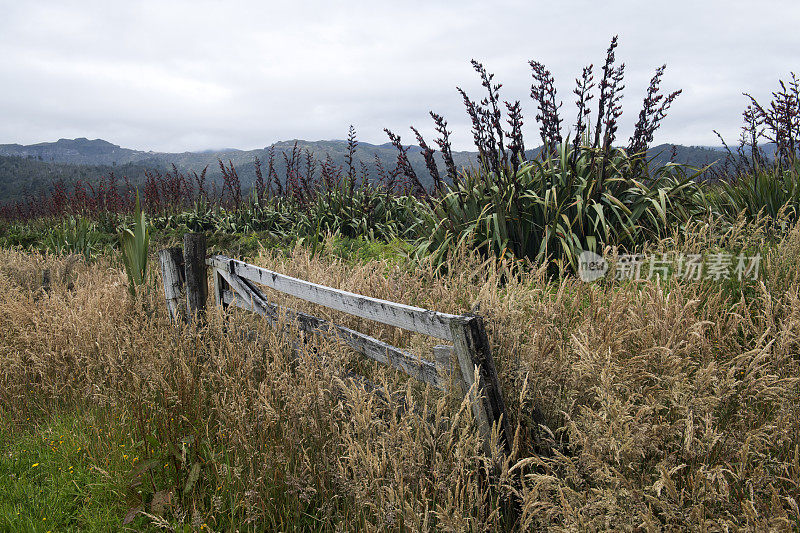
<point>191,75</point>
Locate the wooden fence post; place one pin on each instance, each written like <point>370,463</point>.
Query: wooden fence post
<point>220,286</point>
<point>194,256</point>
<point>444,360</point>
<point>172,274</point>
<point>472,348</point>
<point>46,280</point>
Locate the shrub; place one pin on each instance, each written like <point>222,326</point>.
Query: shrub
<point>558,207</point>
<point>766,191</point>
<point>572,196</point>
<point>751,183</point>
<point>74,236</point>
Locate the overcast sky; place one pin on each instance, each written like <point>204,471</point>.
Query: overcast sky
<point>173,76</point>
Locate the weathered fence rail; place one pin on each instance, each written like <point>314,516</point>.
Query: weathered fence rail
<point>468,358</point>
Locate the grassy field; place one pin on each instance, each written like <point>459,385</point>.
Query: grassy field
<point>658,404</point>
<point>663,403</point>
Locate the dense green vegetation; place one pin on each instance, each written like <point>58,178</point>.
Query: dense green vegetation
<point>557,207</point>
<point>551,208</point>
<point>30,177</point>
<point>33,172</point>
<point>66,472</point>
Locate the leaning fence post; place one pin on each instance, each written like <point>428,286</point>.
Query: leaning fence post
<point>171,260</point>
<point>194,255</point>
<point>472,349</point>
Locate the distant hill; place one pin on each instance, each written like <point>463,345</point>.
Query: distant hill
<point>83,151</point>
<point>695,156</point>
<point>30,169</point>
<point>80,151</point>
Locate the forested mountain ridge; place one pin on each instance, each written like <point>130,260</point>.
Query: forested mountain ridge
<point>24,177</point>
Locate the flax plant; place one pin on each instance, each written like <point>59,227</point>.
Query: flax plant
<point>554,208</point>
<point>134,245</point>
<point>577,195</point>
<point>751,183</point>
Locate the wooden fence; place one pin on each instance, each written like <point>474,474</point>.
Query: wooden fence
<point>237,284</point>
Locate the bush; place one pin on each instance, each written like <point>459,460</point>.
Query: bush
<point>752,183</point>
<point>558,207</point>
<point>771,192</point>
<point>572,196</point>
<point>74,236</point>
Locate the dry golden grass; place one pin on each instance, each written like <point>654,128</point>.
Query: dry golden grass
<point>644,406</point>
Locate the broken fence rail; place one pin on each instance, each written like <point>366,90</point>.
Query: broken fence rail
<point>236,283</point>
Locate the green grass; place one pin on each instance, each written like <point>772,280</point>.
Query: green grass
<point>62,473</point>
<point>365,250</point>
<point>91,470</point>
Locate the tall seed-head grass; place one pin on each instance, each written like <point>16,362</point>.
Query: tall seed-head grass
<point>649,405</point>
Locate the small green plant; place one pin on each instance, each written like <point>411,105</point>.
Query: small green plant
<point>766,192</point>
<point>134,244</point>
<point>75,236</point>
